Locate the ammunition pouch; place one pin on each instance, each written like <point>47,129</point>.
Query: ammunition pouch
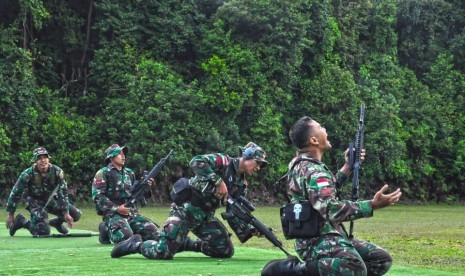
<point>300,221</point>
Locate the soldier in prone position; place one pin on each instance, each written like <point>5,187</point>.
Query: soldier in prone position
<point>45,191</point>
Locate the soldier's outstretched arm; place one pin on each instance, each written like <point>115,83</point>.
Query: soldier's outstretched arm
<point>381,200</point>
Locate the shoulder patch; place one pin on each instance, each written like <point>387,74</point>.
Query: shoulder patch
<point>322,182</point>
<point>99,174</point>
<point>61,174</point>
<point>221,159</point>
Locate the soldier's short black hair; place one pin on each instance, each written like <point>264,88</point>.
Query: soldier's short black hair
<point>300,132</point>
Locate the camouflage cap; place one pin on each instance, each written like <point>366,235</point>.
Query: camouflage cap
<point>113,151</point>
<point>252,151</point>
<point>38,152</point>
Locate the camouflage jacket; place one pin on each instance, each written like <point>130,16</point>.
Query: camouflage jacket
<point>210,170</point>
<point>111,188</point>
<point>321,188</point>
<point>39,188</point>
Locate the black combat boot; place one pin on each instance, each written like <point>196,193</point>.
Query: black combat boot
<point>58,224</point>
<point>290,266</point>
<point>103,237</point>
<point>129,246</point>
<point>190,245</point>
<point>19,222</point>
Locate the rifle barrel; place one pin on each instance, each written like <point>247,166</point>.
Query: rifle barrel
<point>142,186</point>
<point>70,235</point>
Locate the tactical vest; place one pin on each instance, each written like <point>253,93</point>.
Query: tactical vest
<point>38,177</point>
<point>230,180</point>
<point>36,182</point>
<point>112,176</point>
<point>299,219</point>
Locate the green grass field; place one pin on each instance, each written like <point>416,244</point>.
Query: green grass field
<point>423,240</point>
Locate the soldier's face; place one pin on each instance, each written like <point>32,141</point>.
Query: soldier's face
<point>119,160</point>
<point>249,166</point>
<point>42,163</point>
<point>320,135</point>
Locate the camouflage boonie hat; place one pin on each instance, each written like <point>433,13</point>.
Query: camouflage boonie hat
<point>38,152</point>
<point>113,151</point>
<point>252,151</point>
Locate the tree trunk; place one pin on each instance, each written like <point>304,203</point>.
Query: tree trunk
<point>83,65</point>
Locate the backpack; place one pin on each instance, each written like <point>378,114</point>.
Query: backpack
<point>181,192</point>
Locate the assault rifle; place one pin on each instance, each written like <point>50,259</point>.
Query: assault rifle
<point>241,208</point>
<point>70,235</point>
<point>140,188</point>
<point>355,152</point>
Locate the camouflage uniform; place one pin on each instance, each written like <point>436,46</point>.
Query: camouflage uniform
<point>37,189</point>
<point>110,189</point>
<point>334,252</point>
<point>198,214</point>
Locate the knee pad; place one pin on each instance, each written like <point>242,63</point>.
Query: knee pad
<point>172,228</point>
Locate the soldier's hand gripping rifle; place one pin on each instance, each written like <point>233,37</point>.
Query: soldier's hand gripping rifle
<point>241,208</point>
<point>140,188</point>
<point>355,153</point>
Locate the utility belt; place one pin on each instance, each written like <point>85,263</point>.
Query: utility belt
<point>300,220</point>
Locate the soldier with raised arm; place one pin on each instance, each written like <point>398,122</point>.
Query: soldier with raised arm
<point>331,251</point>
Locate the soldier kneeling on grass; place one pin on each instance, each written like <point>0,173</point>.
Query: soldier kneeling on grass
<point>328,249</point>
<point>45,191</point>
<point>216,176</point>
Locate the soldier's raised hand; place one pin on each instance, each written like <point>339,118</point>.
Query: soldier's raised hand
<point>381,200</point>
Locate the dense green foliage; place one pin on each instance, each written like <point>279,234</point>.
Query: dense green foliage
<point>201,76</point>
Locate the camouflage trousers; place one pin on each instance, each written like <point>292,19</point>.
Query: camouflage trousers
<point>39,216</point>
<point>182,220</point>
<point>339,256</point>
<point>120,228</point>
